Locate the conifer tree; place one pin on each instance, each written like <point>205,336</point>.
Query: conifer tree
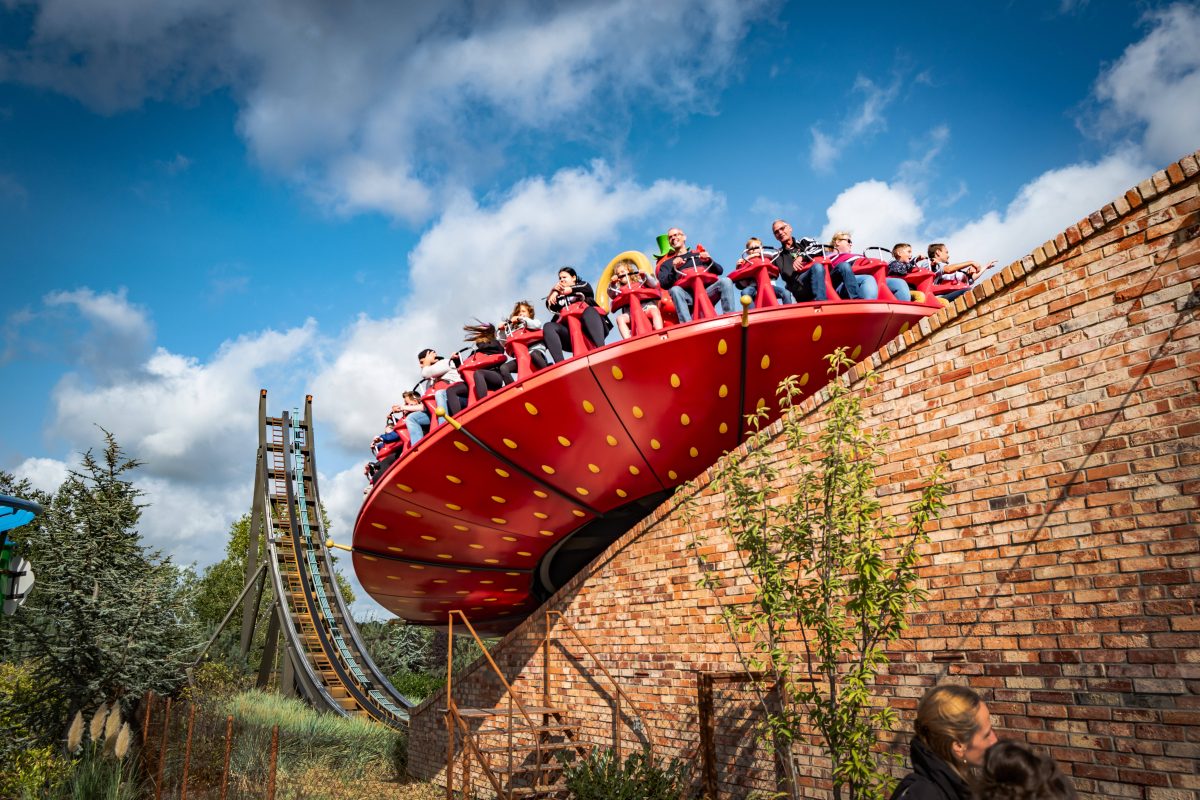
<point>108,617</point>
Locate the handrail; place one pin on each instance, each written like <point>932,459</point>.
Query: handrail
<point>512,696</point>
<point>620,692</point>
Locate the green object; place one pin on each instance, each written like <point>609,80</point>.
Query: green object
<point>7,551</point>
<point>600,775</point>
<point>822,633</point>
<point>664,247</point>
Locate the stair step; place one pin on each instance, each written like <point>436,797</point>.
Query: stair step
<point>552,728</point>
<point>550,746</point>
<point>529,769</point>
<point>485,713</point>
<point>537,791</point>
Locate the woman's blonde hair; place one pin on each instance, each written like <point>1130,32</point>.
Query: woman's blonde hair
<point>839,235</point>
<point>945,715</point>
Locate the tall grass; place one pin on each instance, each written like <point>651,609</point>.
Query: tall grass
<point>353,747</point>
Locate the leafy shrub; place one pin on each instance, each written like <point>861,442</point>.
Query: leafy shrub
<point>416,686</point>
<point>600,776</point>
<point>28,768</point>
<point>33,771</point>
<point>214,682</point>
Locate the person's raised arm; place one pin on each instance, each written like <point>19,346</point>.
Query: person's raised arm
<point>970,267</point>
<point>436,370</point>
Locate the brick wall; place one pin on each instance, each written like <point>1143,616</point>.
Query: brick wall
<point>1063,576</point>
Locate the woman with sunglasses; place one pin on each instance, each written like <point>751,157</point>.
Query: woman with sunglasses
<point>845,282</point>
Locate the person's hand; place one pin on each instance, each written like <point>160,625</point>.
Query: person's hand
<point>705,257</point>
<point>678,263</point>
<point>741,261</point>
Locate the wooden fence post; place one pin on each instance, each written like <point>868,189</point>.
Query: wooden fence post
<point>187,750</point>
<point>164,742</point>
<point>274,759</point>
<point>228,743</point>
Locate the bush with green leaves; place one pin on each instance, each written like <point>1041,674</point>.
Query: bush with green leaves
<point>107,617</point>
<point>600,775</point>
<point>833,578</point>
<point>417,686</point>
<point>218,587</point>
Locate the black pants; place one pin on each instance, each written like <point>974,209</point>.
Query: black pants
<point>487,380</point>
<point>456,397</point>
<point>557,335</point>
<point>508,370</point>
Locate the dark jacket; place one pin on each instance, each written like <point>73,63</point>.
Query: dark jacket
<point>931,778</point>
<point>793,269</point>
<point>581,292</point>
<point>666,274</point>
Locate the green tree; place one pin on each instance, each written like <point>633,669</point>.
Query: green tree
<point>108,618</point>
<point>220,584</point>
<point>833,579</point>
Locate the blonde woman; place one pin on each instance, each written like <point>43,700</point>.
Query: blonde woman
<point>953,732</point>
<point>626,275</point>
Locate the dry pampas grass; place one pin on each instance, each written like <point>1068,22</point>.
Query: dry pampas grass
<point>75,733</point>
<point>114,722</point>
<point>122,741</point>
<point>96,728</point>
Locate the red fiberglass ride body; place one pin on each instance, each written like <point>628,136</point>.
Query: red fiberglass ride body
<point>494,512</point>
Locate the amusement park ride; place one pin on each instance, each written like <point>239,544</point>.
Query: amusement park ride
<point>500,505</point>
<point>16,576</point>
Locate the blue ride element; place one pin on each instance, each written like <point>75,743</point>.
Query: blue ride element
<point>15,512</point>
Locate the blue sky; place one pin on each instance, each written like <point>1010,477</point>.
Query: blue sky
<point>205,197</point>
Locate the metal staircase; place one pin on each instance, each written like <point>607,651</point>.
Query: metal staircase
<point>518,747</point>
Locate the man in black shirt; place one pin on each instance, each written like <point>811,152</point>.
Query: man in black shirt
<point>806,283</point>
<point>680,257</point>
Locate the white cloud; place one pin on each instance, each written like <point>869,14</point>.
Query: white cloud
<point>174,166</point>
<point>190,522</point>
<point>1044,207</point>
<point>1153,90</point>
<point>830,139</point>
<point>823,152</point>
<point>190,422</point>
<point>389,106</point>
<point>567,219</point>
<point>184,418</point>
<point>877,213</point>
<point>880,213</point>
<point>916,172</point>
<point>46,474</point>
<point>117,334</point>
<point>111,311</point>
